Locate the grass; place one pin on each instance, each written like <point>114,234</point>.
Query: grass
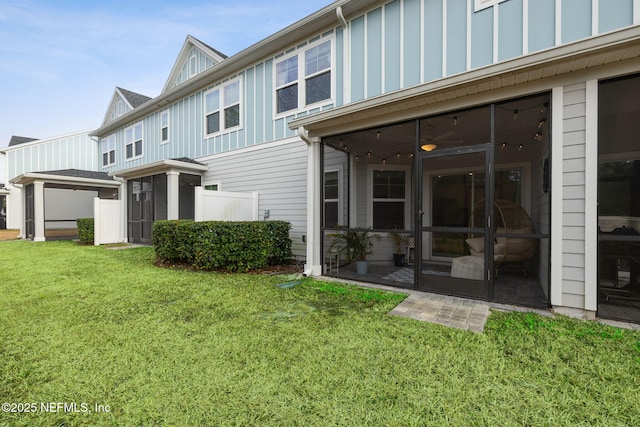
<point>178,348</point>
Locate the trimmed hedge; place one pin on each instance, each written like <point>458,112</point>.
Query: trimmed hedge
<point>232,246</point>
<point>85,231</point>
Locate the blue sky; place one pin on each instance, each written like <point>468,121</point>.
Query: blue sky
<point>61,60</point>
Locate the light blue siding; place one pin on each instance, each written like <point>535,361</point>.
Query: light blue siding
<point>259,105</point>
<point>576,20</point>
<point>249,105</point>
<point>374,53</point>
<point>482,38</point>
<point>433,41</point>
<point>268,101</point>
<point>611,18</point>
<point>392,58</point>
<point>510,29</point>
<point>456,36</point>
<point>357,59</point>
<point>542,27</point>
<point>412,41</point>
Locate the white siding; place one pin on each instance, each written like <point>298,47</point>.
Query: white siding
<point>278,172</point>
<point>573,195</point>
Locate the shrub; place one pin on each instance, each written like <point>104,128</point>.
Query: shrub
<point>85,230</point>
<point>233,246</point>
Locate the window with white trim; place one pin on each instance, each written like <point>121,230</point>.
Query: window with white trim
<point>222,108</point>
<point>109,150</point>
<point>133,141</point>
<point>389,198</point>
<point>314,77</point>
<point>164,126</point>
<point>332,198</point>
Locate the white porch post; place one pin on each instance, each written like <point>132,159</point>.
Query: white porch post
<point>314,257</point>
<point>173,195</point>
<point>38,211</point>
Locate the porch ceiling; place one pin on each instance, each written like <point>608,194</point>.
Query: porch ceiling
<point>434,97</point>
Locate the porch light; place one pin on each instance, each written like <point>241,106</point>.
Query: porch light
<point>429,147</point>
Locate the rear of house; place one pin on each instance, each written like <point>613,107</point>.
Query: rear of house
<point>490,142</point>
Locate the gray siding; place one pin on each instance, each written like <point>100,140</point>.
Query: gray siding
<point>573,195</point>
<point>278,172</point>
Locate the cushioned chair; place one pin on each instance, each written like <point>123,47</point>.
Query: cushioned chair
<point>510,218</point>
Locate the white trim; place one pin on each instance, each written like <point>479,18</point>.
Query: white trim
<point>134,156</point>
<point>525,27</point>
<point>558,36</point>
<point>444,37</point>
<point>636,12</point>
<point>483,4</point>
<point>591,198</point>
<point>468,61</point>
<point>168,127</point>
<point>407,186</point>
<point>557,102</point>
<point>401,30</point>
<point>220,88</point>
<point>340,171</point>
<point>595,17</point>
<point>302,78</point>
<point>496,34</point>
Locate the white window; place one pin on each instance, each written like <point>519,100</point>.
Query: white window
<point>222,108</point>
<point>212,185</point>
<point>133,141</point>
<point>389,198</point>
<point>333,198</point>
<point>164,126</point>
<point>307,84</point>
<point>109,150</point>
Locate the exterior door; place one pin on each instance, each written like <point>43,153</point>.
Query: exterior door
<point>454,238</point>
<point>140,210</point>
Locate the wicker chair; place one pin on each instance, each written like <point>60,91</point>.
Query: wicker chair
<point>510,218</point>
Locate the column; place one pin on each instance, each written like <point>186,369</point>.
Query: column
<point>173,195</point>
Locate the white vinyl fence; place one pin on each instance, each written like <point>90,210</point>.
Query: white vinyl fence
<point>108,225</point>
<point>225,206</point>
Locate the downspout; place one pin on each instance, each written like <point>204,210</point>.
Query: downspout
<point>311,194</point>
<point>343,21</point>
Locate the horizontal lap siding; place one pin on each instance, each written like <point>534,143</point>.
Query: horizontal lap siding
<point>278,172</point>
<point>573,194</point>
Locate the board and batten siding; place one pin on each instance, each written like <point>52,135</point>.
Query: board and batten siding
<point>77,151</point>
<point>403,43</point>
<point>278,172</point>
<point>573,195</point>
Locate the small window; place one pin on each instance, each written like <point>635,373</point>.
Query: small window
<point>212,111</point>
<point>211,187</point>
<point>232,105</point>
<point>164,126</point>
<point>332,198</point>
<point>109,150</point>
<point>133,141</point>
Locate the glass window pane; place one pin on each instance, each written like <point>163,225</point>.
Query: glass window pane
<point>232,94</point>
<point>105,159</point>
<point>331,185</point>
<point>388,215</point>
<point>138,147</point>
<point>165,134</point>
<point>287,98</point>
<point>232,116</point>
<point>212,101</point>
<point>129,149</point>
<point>318,88</point>
<point>331,214</point>
<point>318,58</point>
<point>112,156</point>
<point>287,71</point>
<point>164,119</point>
<point>213,123</point>
<point>137,130</point>
<point>128,135</point>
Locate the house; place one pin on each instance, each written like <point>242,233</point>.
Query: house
<point>495,136</point>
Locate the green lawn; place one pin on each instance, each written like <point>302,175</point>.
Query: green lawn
<point>92,326</point>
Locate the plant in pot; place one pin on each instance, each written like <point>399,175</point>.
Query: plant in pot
<point>399,241</point>
<point>354,245</point>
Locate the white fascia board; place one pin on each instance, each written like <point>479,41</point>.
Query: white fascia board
<point>30,177</point>
<point>157,167</point>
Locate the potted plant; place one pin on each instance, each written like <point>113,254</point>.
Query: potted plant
<point>354,245</point>
<point>399,241</point>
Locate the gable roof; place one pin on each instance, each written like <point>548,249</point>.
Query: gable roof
<point>134,99</point>
<point>190,43</point>
<point>16,140</point>
<point>122,102</point>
